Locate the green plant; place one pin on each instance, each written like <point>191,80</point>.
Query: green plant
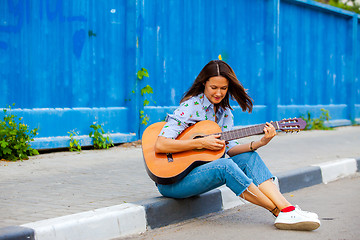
<point>15,137</point>
<point>317,123</point>
<point>349,5</point>
<point>145,90</point>
<point>74,143</point>
<point>354,123</point>
<point>99,140</point>
<point>144,118</point>
<point>143,72</point>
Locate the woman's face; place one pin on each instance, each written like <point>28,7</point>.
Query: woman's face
<point>216,89</point>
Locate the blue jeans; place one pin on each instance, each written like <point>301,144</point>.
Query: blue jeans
<point>237,172</point>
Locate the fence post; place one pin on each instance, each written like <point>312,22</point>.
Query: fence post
<point>139,63</point>
<point>132,65</point>
<point>272,60</point>
<point>352,58</point>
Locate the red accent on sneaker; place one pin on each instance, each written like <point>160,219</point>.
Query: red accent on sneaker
<point>288,209</point>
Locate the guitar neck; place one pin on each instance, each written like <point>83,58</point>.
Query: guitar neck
<point>245,132</point>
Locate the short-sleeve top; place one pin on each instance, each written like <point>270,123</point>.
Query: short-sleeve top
<point>193,110</point>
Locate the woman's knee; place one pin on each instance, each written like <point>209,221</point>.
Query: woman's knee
<point>247,156</point>
<point>225,166</point>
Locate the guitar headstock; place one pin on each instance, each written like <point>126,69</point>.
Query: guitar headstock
<point>292,124</point>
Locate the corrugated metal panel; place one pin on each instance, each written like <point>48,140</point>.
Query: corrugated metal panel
<point>357,73</point>
<point>64,60</point>
<point>313,56</point>
<point>64,54</point>
<point>180,37</point>
<point>357,68</point>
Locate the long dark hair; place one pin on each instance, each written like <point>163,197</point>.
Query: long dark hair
<point>235,90</point>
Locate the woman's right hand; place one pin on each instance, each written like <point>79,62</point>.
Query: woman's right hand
<point>212,142</point>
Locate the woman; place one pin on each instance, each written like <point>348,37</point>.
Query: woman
<point>244,172</point>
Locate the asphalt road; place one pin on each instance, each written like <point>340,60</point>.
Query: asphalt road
<point>337,204</point>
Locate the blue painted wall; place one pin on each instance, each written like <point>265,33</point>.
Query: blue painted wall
<point>68,64</point>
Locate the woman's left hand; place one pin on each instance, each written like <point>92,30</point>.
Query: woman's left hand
<point>270,132</point>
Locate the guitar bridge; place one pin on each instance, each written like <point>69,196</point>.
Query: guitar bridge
<point>169,157</point>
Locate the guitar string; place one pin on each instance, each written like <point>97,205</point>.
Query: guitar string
<point>236,133</point>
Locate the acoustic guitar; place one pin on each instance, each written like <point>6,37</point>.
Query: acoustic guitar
<point>170,168</point>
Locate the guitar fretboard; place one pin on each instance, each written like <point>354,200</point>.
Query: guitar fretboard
<point>245,132</point>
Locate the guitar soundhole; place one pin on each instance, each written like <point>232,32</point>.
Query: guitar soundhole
<point>196,137</point>
<point>170,157</point>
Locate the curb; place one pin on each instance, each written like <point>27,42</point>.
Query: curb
<point>135,218</point>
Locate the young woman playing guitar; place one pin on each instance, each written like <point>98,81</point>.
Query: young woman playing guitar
<point>243,172</point>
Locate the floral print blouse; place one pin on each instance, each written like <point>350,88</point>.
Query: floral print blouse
<point>193,110</point>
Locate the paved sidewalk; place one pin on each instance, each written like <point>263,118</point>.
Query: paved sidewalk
<point>63,183</point>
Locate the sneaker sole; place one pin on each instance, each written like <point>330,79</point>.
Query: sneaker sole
<point>301,226</point>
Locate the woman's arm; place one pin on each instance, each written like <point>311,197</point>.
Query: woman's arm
<point>270,132</point>
<point>168,145</point>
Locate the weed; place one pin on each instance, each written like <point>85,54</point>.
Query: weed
<point>143,72</point>
<point>15,137</point>
<point>317,123</point>
<point>74,143</point>
<point>99,140</point>
<point>144,118</point>
<point>145,90</point>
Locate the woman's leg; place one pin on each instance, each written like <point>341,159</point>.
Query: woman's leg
<point>255,168</point>
<point>207,177</point>
<point>255,196</point>
<point>272,192</point>
<point>212,175</point>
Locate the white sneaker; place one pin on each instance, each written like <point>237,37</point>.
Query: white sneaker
<point>297,220</point>
<point>309,214</point>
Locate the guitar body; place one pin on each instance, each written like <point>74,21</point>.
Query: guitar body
<point>170,168</point>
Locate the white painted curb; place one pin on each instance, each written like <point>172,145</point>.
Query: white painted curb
<point>104,223</point>
<point>229,199</point>
<point>334,170</point>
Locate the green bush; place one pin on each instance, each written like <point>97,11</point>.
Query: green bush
<point>317,123</point>
<point>15,138</point>
<point>99,140</point>
<point>353,6</point>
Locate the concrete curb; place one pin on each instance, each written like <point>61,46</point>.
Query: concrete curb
<point>135,218</point>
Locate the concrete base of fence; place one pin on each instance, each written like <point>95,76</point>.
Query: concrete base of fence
<point>84,140</point>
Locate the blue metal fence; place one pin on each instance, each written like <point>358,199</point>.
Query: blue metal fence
<point>68,64</point>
